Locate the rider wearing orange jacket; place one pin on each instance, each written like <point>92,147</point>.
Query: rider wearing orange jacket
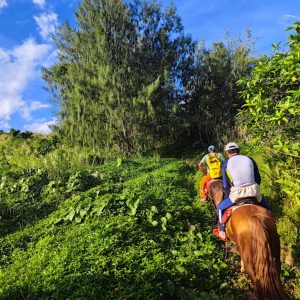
<point>211,167</point>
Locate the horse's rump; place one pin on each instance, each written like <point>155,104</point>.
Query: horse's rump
<point>253,229</point>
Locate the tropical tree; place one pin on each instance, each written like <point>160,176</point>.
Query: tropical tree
<point>213,91</point>
<point>271,111</point>
<point>120,73</point>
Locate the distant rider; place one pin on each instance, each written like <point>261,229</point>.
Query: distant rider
<point>211,167</point>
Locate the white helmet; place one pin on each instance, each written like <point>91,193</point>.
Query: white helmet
<point>231,146</point>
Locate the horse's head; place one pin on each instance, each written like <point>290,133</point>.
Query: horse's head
<point>216,192</point>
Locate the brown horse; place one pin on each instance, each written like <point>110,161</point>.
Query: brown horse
<point>253,230</point>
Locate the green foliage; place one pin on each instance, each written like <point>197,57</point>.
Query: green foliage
<point>125,228</point>
<point>119,74</point>
<point>213,98</point>
<point>116,230</point>
<point>44,146</point>
<point>271,120</point>
<point>20,150</point>
<point>81,181</point>
<point>272,95</point>
<point>20,198</point>
<point>14,132</point>
<point>129,79</point>
<point>17,133</point>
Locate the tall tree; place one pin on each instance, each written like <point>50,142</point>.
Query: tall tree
<point>213,94</point>
<point>120,74</point>
<point>272,94</point>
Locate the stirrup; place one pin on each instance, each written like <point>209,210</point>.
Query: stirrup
<point>216,232</point>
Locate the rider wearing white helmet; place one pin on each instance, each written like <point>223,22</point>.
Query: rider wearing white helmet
<point>241,177</point>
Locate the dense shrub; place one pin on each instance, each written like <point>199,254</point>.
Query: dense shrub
<point>271,120</point>
<point>122,231</point>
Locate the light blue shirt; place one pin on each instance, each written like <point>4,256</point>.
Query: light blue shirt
<point>240,170</point>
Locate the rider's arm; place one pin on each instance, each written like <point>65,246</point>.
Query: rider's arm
<point>203,165</point>
<point>221,157</point>
<point>256,172</point>
<point>226,184</point>
<point>202,168</point>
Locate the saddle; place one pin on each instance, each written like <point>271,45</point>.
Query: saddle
<point>239,202</point>
<point>248,200</point>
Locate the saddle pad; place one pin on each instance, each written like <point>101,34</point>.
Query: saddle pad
<point>227,214</point>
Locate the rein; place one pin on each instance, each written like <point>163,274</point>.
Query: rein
<point>214,211</point>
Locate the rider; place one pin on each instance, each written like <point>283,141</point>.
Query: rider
<point>241,177</point>
<point>211,167</point>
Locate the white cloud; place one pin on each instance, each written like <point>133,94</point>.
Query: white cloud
<point>47,24</point>
<point>9,105</point>
<point>4,125</point>
<point>51,59</point>
<point>287,19</point>
<point>4,57</point>
<point>17,67</point>
<point>40,3</point>
<point>40,126</point>
<point>287,16</point>
<point>28,109</point>
<point>3,3</point>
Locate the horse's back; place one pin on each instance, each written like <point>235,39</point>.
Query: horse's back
<point>243,217</point>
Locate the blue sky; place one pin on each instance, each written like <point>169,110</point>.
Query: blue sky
<point>26,46</point>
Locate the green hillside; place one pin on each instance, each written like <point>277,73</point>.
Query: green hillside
<point>76,225</point>
<point>120,229</point>
<point>107,206</point>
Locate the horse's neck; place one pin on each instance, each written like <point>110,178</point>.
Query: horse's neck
<point>216,191</point>
<point>218,198</point>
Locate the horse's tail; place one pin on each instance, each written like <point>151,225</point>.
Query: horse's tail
<point>262,260</point>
